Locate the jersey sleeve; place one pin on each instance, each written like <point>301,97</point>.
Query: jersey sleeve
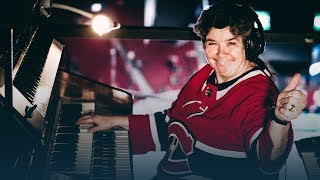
<point>264,148</point>
<point>148,132</point>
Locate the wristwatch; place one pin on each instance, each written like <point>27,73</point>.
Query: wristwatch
<point>275,119</point>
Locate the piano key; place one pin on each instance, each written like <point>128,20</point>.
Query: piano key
<point>311,165</point>
<point>64,147</point>
<point>95,153</point>
<point>309,149</point>
<point>29,86</point>
<point>68,129</point>
<point>84,150</point>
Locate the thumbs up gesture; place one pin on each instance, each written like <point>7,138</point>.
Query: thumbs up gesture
<point>290,102</point>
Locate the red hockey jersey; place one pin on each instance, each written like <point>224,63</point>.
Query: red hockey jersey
<point>217,131</point>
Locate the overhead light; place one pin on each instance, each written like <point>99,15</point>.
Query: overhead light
<point>100,24</point>
<point>314,69</point>
<point>149,12</point>
<point>316,22</point>
<point>205,4</point>
<point>96,7</point>
<point>265,19</point>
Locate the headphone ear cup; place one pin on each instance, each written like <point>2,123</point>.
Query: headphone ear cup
<point>254,45</point>
<point>248,47</point>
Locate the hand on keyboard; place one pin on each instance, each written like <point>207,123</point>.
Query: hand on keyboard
<point>101,123</point>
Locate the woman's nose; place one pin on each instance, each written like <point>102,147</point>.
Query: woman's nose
<point>221,51</point>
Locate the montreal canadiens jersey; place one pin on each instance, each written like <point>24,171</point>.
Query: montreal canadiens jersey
<point>217,131</point>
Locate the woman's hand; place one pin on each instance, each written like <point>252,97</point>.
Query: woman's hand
<point>100,123</point>
<point>290,102</point>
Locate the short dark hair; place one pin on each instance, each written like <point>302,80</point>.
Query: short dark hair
<point>222,15</point>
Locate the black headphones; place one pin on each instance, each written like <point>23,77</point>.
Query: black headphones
<point>255,42</point>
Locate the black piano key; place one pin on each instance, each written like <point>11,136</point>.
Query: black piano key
<point>106,143</point>
<point>102,169</point>
<point>61,166</point>
<point>97,161</point>
<point>99,152</point>
<point>105,134</point>
<point>64,147</point>
<point>70,115</point>
<point>64,156</point>
<point>103,158</point>
<point>103,153</point>
<point>67,121</point>
<point>32,65</point>
<point>68,129</point>
<point>66,138</point>
<point>96,152</point>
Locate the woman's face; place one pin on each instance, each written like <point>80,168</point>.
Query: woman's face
<point>225,53</point>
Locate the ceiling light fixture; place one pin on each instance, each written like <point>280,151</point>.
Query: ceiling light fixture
<point>100,24</point>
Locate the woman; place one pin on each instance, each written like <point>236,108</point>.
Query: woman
<point>229,120</point>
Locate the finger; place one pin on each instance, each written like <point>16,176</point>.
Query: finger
<point>290,107</point>
<point>85,121</point>
<point>84,127</point>
<point>293,93</point>
<point>294,82</point>
<point>85,117</point>
<point>288,101</point>
<point>287,114</point>
<point>280,113</point>
<point>95,129</point>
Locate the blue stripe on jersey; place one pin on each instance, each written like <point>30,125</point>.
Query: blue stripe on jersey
<point>162,129</point>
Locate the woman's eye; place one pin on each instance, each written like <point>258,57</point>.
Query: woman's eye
<point>211,43</point>
<point>231,43</point>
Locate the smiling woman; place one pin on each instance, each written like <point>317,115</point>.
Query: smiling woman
<point>201,138</point>
<point>210,124</point>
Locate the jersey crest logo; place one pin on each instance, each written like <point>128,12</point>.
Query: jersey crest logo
<point>181,145</point>
<point>195,108</point>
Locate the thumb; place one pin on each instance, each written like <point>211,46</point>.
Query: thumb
<point>294,82</point>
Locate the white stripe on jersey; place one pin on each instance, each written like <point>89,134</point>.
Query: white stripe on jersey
<point>220,152</point>
<point>255,135</point>
<point>221,93</point>
<point>167,119</point>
